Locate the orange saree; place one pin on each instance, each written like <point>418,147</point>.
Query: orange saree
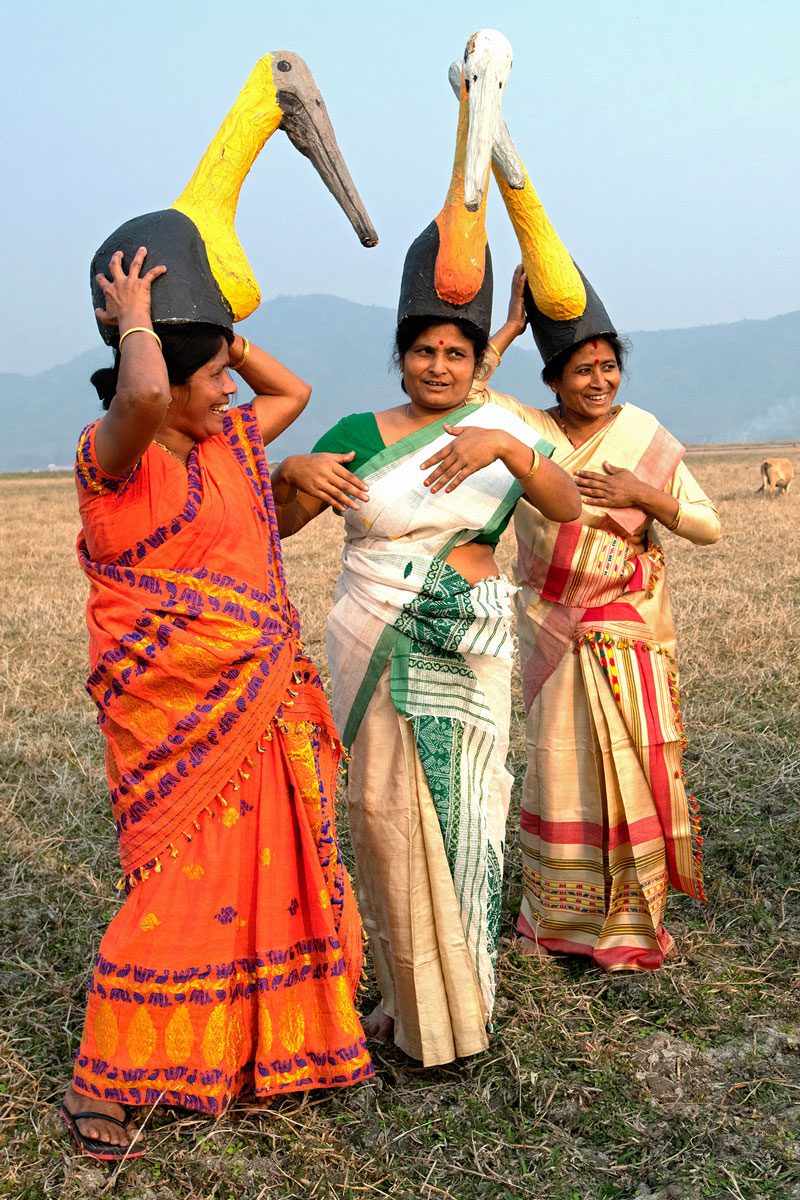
<point>234,962</point>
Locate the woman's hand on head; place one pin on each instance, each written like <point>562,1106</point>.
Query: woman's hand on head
<point>516,304</point>
<point>617,488</point>
<point>127,297</point>
<point>326,478</point>
<point>470,450</point>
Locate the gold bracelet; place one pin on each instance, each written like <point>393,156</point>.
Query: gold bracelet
<point>673,525</point>
<point>492,346</point>
<point>140,329</point>
<point>237,366</point>
<point>533,468</point>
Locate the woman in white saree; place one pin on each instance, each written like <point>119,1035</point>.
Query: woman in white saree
<point>420,653</point>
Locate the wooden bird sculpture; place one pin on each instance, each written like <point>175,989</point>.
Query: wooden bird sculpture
<point>209,278</point>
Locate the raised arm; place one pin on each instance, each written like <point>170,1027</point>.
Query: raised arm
<point>280,394</point>
<point>516,323</point>
<point>143,396</point>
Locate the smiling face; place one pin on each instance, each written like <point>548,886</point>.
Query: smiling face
<point>589,383</point>
<point>438,368</point>
<point>199,405</point>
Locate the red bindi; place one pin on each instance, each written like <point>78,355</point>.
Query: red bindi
<point>441,343</point>
<point>597,362</point>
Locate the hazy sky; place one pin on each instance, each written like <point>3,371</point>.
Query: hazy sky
<point>660,134</point>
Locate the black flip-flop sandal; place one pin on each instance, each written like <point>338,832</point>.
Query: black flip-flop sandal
<point>94,1148</point>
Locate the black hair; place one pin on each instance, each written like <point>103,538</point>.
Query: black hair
<point>554,369</point>
<point>410,329</point>
<point>186,348</point>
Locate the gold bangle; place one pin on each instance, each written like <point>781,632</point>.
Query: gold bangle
<point>675,522</point>
<point>534,467</point>
<point>237,366</point>
<point>491,346</point>
<point>139,329</point>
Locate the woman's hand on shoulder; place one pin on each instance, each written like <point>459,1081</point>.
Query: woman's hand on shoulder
<point>326,478</point>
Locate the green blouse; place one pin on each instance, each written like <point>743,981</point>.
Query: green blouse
<point>359,432</point>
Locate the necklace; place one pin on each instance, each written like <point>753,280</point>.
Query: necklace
<point>171,453</point>
<point>563,426</point>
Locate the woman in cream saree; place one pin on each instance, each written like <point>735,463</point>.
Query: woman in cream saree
<point>420,652</point>
<point>606,822</point>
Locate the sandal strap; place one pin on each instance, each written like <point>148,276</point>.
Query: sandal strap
<point>89,1114</point>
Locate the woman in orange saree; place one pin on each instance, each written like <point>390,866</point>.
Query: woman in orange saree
<point>234,962</point>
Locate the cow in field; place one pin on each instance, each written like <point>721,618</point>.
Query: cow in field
<point>776,476</point>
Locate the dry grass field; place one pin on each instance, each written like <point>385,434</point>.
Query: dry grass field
<point>682,1085</point>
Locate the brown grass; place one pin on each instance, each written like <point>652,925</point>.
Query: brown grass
<point>684,1084</point>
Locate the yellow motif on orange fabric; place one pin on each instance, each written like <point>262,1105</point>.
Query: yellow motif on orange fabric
<point>214,1037</point>
<point>292,1026</point>
<point>324,899</point>
<point>194,659</point>
<point>301,754</point>
<point>105,1030</point>
<point>179,1036</point>
<point>344,1008</point>
<point>265,857</point>
<point>148,922</point>
<point>193,871</point>
<point>145,723</point>
<point>229,817</point>
<point>264,1030</point>
<point>235,1039</point>
<point>141,1037</point>
<point>176,694</point>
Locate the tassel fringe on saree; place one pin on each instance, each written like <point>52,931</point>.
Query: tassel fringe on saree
<point>234,962</point>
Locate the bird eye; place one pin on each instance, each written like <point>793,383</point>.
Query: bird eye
<point>283,65</point>
<point>501,87</point>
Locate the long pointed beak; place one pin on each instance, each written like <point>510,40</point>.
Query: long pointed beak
<point>306,123</point>
<point>504,152</point>
<point>487,66</point>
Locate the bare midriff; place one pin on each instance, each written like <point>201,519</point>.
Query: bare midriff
<point>475,562</point>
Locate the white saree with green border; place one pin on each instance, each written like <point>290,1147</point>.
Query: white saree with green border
<point>398,601</point>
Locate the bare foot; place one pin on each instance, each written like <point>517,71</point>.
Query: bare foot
<point>377,1025</point>
<point>108,1132</point>
<point>529,948</point>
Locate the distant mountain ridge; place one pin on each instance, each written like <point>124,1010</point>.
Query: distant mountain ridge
<point>713,383</point>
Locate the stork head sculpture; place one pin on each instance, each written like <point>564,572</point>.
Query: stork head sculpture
<point>448,268</point>
<point>209,278</point>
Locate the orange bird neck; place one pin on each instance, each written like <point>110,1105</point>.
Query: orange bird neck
<point>461,261</point>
